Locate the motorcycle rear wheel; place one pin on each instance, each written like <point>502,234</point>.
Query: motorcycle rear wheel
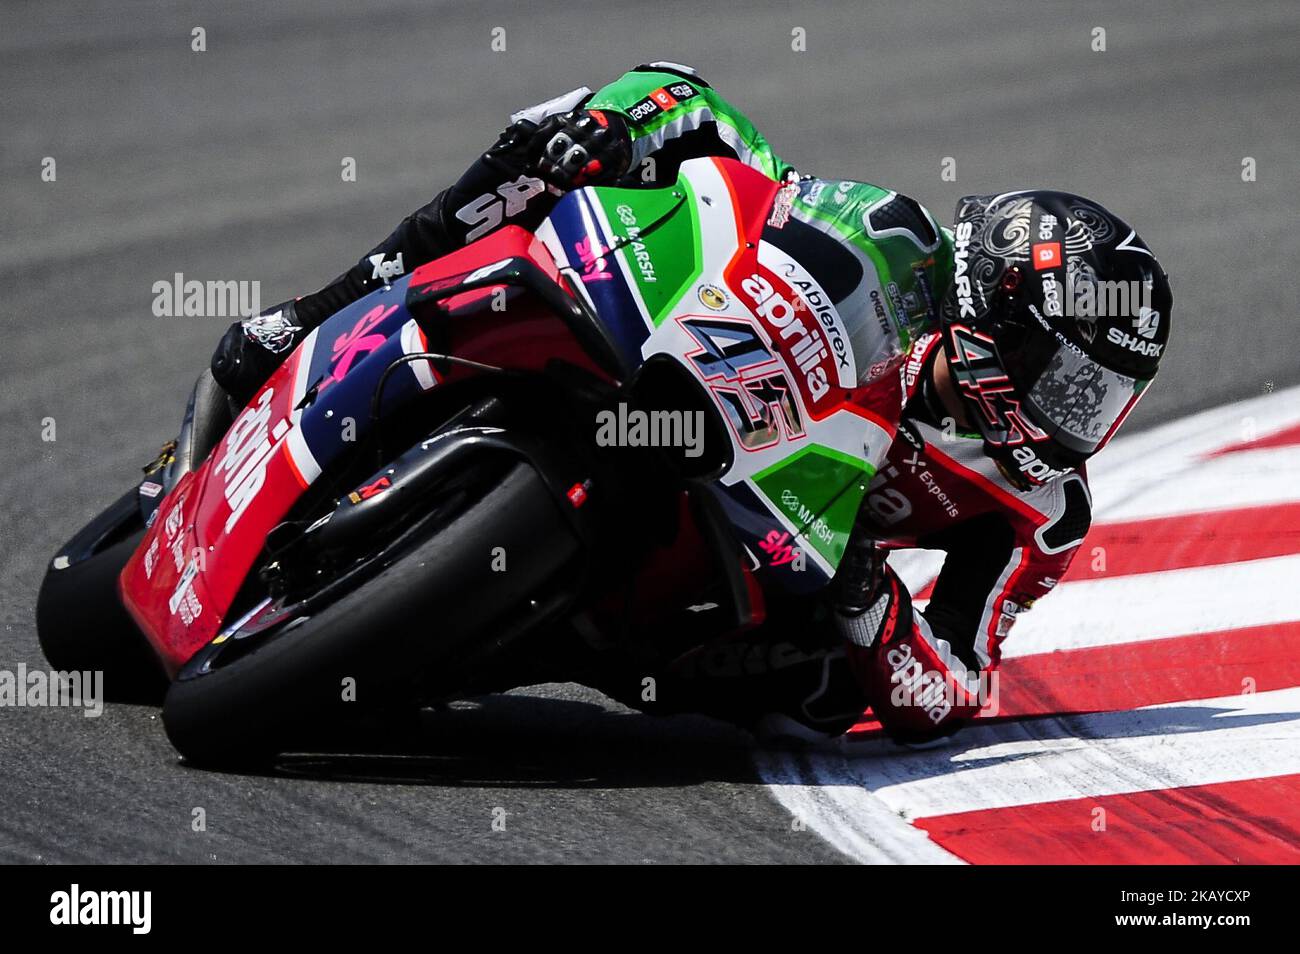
<point>80,621</point>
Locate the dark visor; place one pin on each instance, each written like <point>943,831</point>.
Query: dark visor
<point>1078,402</point>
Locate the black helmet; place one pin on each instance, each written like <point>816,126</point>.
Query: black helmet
<point>1055,324</point>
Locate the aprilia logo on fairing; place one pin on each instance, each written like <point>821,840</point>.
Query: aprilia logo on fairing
<point>249,447</point>
<point>960,249</point>
<point>812,298</point>
<point>809,346</point>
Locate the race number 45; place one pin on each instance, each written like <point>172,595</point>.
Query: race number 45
<point>745,378</point>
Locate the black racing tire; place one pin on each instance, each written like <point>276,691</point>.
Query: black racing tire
<point>80,621</point>
<point>428,609</point>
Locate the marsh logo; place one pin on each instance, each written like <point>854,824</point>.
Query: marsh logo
<point>627,215</point>
<point>76,907</point>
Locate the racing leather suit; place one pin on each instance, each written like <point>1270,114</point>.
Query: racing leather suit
<point>924,670</point>
<point>919,669</point>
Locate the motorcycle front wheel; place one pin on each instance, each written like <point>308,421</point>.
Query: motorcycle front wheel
<point>433,608</point>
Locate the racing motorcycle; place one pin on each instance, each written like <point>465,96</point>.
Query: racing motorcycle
<point>421,494</point>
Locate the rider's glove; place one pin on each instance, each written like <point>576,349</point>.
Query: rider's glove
<point>860,598</point>
<point>589,147</point>
<point>516,150</point>
<point>251,350</point>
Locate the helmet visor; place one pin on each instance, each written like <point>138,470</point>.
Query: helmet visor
<point>1078,402</point>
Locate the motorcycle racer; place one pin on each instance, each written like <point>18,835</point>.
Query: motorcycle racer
<point>1013,378</point>
<point>1025,377</point>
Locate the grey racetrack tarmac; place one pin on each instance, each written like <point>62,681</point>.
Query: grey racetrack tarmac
<point>225,164</point>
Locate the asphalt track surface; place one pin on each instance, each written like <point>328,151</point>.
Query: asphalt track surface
<point>226,165</point>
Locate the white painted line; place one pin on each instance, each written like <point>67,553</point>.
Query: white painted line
<point>860,796</point>
<point>1252,478</point>
<point>917,568</point>
<point>846,816</point>
<point>1173,745</point>
<point>1190,438</point>
<point>1131,609</point>
<point>1124,475</point>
